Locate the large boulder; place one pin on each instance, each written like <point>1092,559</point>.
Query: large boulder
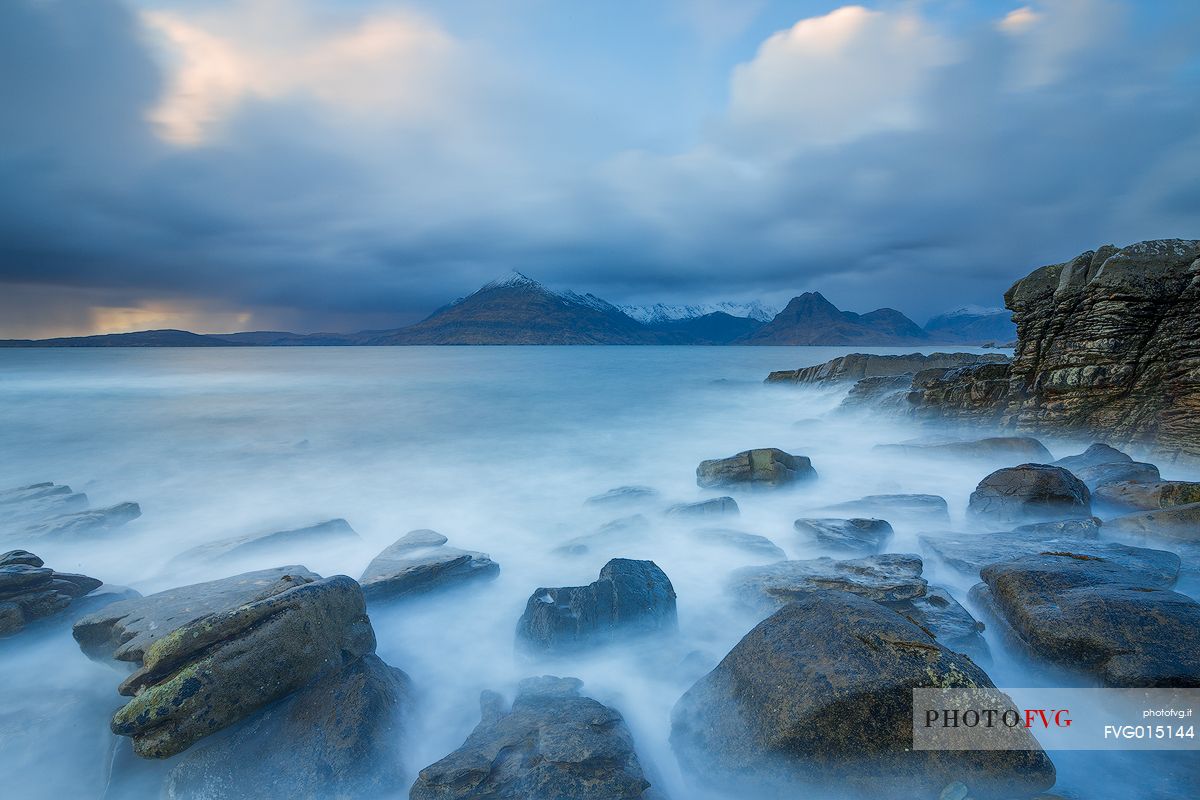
<point>218,669</point>
<point>1147,496</point>
<point>342,737</point>
<point>818,699</point>
<point>855,535</point>
<point>630,598</point>
<point>552,743</point>
<point>1176,523</point>
<point>420,562</point>
<point>766,467</point>
<point>30,591</point>
<point>322,534</point>
<point>125,630</point>
<point>1030,493</point>
<point>1006,449</point>
<point>1087,613</point>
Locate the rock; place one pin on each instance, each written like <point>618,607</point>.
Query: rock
<point>1087,613</point>
<point>125,630</point>
<point>341,737</point>
<point>889,577</point>
<point>1177,523</point>
<point>30,591</point>
<point>762,468</point>
<point>616,533</point>
<point>852,535</point>
<point>624,496</point>
<point>552,743</point>
<point>216,670</point>
<point>420,562</point>
<point>34,491</point>
<point>941,616</point>
<point>750,542</point>
<point>856,366</point>
<point>37,502</point>
<point>1106,347</point>
<point>996,448</point>
<point>717,506</point>
<point>1096,455</point>
<point>1030,493</point>
<point>971,552</point>
<point>323,533</point>
<point>90,522</point>
<point>818,698</point>
<point>923,506</point>
<point>630,598</point>
<point>1082,528</point>
<point>1099,475</point>
<point>1147,496</point>
<point>887,392</point>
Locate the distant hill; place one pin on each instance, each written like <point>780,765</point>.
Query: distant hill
<point>972,325</point>
<point>715,328</point>
<point>163,338</point>
<point>810,319</point>
<point>516,309</point>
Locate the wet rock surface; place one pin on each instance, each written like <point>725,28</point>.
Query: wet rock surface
<point>716,507</point>
<point>218,669</point>
<point>1030,493</point>
<point>1099,475</point>
<point>552,743</point>
<point>30,591</point>
<point>629,599</point>
<point>1148,496</point>
<point>1087,613</point>
<point>1174,524</point>
<point>321,534</point>
<point>889,577</point>
<point>855,535</point>
<point>941,616</point>
<point>755,469</point>
<point>856,366</point>
<point>817,698</point>
<point>420,562</point>
<point>343,736</point>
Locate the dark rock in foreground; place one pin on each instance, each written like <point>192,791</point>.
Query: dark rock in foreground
<point>886,578</point>
<point>630,598</point>
<point>1030,493</point>
<point>996,448</point>
<point>125,630</point>
<point>924,506</point>
<point>1147,496</point>
<point>624,496</point>
<point>323,533</point>
<point>1086,613</point>
<point>818,699</point>
<point>762,468</point>
<point>717,506</point>
<point>420,562</point>
<point>218,669</point>
<point>30,591</point>
<point>341,737</point>
<point>856,366</point>
<point>750,542</point>
<point>848,535</point>
<point>552,743</point>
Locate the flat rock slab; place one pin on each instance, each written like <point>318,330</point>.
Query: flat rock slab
<point>740,540</point>
<point>323,533</point>
<point>855,535</point>
<point>920,506</point>
<point>1146,496</point>
<point>716,507</point>
<point>971,552</point>
<point>1087,613</point>
<point>623,496</point>
<point>1100,475</point>
<point>612,534</point>
<point>941,616</point>
<point>93,522</point>
<point>420,562</point>
<point>1013,449</point>
<point>552,743</point>
<point>124,630</point>
<point>889,577</point>
<point>1178,523</point>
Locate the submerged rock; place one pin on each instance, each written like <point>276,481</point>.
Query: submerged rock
<point>750,542</point>
<point>614,534</point>
<point>921,506</point>
<point>763,468</point>
<point>552,743</point>
<point>888,577</point>
<point>420,562</point>
<point>630,598</point>
<point>851,535</point>
<point>624,496</point>
<point>717,506</point>
<point>995,448</point>
<point>1177,523</point>
<point>36,502</point>
<point>1096,455</point>
<point>216,670</point>
<point>1147,496</point>
<point>323,533</point>
<point>30,591</point>
<point>1030,493</point>
<point>1087,613</point>
<point>84,523</point>
<point>818,698</point>
<point>343,736</point>
<point>124,631</point>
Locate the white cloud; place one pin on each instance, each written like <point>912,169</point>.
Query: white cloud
<point>837,77</point>
<point>1050,35</point>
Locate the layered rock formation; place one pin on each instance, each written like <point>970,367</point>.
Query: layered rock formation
<point>420,562</point>
<point>857,366</point>
<point>761,468</point>
<point>30,591</point>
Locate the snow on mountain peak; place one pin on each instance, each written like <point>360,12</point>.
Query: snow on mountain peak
<point>665,312</point>
<point>510,280</point>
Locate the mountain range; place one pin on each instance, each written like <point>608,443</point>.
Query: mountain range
<point>516,309</point>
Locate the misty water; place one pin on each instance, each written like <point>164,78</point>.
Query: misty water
<point>497,448</point>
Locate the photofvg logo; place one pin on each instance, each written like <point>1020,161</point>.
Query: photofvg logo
<point>1055,719</point>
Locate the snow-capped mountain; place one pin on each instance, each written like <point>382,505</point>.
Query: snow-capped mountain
<point>666,312</point>
<point>972,325</point>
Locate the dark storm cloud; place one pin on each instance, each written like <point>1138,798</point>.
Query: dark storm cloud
<point>991,152</point>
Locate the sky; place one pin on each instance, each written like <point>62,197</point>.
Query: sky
<point>340,165</point>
